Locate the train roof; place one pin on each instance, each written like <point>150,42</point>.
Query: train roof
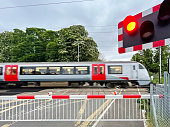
<point>96,62</point>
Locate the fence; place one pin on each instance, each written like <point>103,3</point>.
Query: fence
<point>161,107</point>
<point>75,108</point>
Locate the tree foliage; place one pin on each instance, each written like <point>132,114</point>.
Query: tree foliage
<point>41,45</point>
<point>150,58</point>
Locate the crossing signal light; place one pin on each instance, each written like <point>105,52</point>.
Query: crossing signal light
<point>148,29</point>
<point>164,11</point>
<point>130,24</point>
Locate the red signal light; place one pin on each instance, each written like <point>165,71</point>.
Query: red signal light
<point>130,24</point>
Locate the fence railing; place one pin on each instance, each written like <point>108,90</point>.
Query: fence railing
<point>75,108</point>
<point>161,107</point>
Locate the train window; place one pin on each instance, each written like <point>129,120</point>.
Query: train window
<point>0,70</point>
<point>82,70</point>
<point>68,70</point>
<point>141,67</point>
<point>115,69</point>
<point>95,70</point>
<point>14,70</point>
<point>101,70</point>
<point>8,70</point>
<point>41,70</point>
<point>54,70</point>
<point>133,67</point>
<point>27,71</point>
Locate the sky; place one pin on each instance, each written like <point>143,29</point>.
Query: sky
<point>100,18</point>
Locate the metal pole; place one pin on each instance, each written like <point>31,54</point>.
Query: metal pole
<point>78,51</point>
<point>160,65</point>
<point>169,93</point>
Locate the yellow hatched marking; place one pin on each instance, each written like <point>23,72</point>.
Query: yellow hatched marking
<point>96,113</point>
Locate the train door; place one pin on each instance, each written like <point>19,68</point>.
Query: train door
<point>134,72</point>
<point>98,72</point>
<point>11,73</point>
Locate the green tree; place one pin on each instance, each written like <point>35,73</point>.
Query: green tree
<point>6,44</point>
<point>40,45</point>
<point>150,58</point>
<point>69,38</point>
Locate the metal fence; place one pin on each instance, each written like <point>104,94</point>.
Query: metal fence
<point>161,107</point>
<point>75,108</point>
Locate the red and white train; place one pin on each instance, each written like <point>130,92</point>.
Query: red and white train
<point>108,73</point>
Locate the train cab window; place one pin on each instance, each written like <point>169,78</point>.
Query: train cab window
<point>141,67</point>
<point>14,70</point>
<point>82,70</point>
<point>0,70</point>
<point>54,70</point>
<point>115,69</point>
<point>95,70</point>
<point>101,70</point>
<point>41,70</point>
<point>68,70</point>
<point>8,70</point>
<point>27,71</point>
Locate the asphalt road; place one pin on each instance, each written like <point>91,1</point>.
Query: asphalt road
<point>79,109</point>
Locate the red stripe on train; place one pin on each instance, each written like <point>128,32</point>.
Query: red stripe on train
<point>126,78</point>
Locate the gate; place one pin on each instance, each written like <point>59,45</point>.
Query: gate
<point>75,108</point>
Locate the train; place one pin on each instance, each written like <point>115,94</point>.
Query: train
<point>110,74</point>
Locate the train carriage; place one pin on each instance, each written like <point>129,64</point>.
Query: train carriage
<point>108,73</point>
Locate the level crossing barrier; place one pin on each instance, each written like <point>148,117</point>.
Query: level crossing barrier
<point>75,107</point>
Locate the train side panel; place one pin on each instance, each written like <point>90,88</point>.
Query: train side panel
<point>121,74</point>
<point>62,77</point>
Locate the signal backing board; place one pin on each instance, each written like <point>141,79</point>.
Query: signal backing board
<point>128,43</point>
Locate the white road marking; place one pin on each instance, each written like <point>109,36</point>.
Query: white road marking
<point>95,124</point>
<point>144,121</point>
<point>138,90</point>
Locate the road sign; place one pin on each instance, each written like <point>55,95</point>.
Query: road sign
<point>148,29</point>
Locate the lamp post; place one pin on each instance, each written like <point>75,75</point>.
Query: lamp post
<point>78,51</point>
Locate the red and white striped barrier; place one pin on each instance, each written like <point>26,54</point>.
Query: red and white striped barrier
<point>142,46</point>
<point>76,97</point>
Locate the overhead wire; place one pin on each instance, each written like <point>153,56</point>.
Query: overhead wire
<point>45,4</point>
<point>64,2</point>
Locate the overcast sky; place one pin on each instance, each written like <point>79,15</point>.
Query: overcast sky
<point>106,13</point>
